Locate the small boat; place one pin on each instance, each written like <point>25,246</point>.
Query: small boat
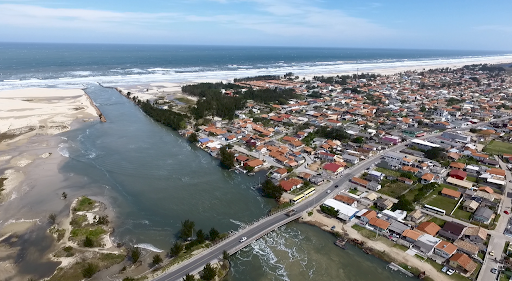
<point>366,251</point>
<point>340,243</point>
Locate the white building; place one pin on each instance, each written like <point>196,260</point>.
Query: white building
<point>423,145</point>
<point>346,212</point>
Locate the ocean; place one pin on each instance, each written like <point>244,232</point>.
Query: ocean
<point>77,65</point>
<point>153,179</point>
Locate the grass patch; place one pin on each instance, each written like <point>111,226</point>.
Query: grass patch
<point>471,179</point>
<point>388,172</point>
<point>281,207</point>
<point>186,101</point>
<point>353,191</point>
<point>401,247</point>
<point>498,147</point>
<point>441,202</point>
<point>461,214</point>
<point>394,189</point>
<point>84,204</point>
<point>438,221</point>
<point>95,233</point>
<point>74,272</point>
<point>365,232</point>
<point>468,160</point>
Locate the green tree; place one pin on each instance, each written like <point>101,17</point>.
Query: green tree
<point>423,108</point>
<point>187,229</point>
<point>88,242</point>
<point>271,190</point>
<point>404,204</point>
<point>358,140</point>
<point>176,248</point>
<point>89,270</point>
<point>436,153</point>
<point>135,254</point>
<point>189,277</point>
<point>208,272</point>
<point>201,237</point>
<point>214,234</point>
<point>193,138</point>
<point>157,259</point>
<point>328,210</point>
<point>227,158</point>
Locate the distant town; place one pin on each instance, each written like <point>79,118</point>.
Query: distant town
<point>439,141</point>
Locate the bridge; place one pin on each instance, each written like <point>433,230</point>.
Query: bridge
<point>270,223</point>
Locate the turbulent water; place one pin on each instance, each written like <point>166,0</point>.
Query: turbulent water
<point>69,65</point>
<point>153,179</point>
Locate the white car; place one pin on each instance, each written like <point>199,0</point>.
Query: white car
<point>444,269</point>
<point>243,239</point>
<point>328,191</point>
<point>450,271</point>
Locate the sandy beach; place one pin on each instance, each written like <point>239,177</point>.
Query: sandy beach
<point>30,123</point>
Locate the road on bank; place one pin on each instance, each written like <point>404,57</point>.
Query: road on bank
<point>264,226</point>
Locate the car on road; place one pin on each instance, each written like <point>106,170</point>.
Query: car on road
<point>506,212</point>
<point>450,271</point>
<point>494,270</point>
<point>328,191</point>
<point>243,239</point>
<point>291,212</point>
<point>336,186</point>
<point>491,253</point>
<point>444,269</point>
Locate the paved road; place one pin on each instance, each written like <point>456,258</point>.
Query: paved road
<point>268,224</point>
<point>498,239</point>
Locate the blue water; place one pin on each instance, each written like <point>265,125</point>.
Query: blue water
<point>71,65</point>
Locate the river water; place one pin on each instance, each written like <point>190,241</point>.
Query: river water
<point>153,179</point>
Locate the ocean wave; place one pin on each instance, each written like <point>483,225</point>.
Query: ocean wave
<point>148,247</point>
<point>115,77</point>
<point>63,149</point>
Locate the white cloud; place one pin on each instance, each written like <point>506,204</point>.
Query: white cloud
<point>296,20</point>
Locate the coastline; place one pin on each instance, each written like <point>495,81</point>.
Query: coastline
<point>31,125</point>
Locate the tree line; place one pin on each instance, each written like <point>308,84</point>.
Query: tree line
<point>175,120</point>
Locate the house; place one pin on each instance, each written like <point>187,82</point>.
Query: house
<point>445,249</point>
<point>470,206</point>
<point>379,225</point>
<point>458,174</point>
<point>483,214</point>
<point>426,244</point>
<point>291,184</point>
<point>459,183</point>
<point>486,189</point>
<point>452,230</point>
<point>333,168</point>
<point>359,181</point>
<point>383,203</point>
<point>346,200</point>
<point>466,247</point>
<point>366,217</point>
<point>405,180</point>
<point>345,212</point>
<point>279,173</point>
<point>453,194</point>
<point>428,228</point>
<point>394,159</point>
<point>476,234</point>
<point>462,263</point>
<point>427,178</point>
<point>255,164</point>
<point>411,236</point>
<point>498,173</point>
<point>375,186</point>
<point>375,176</point>
<point>415,216</point>
<point>423,145</point>
<point>350,159</point>
<point>242,159</point>
<point>397,228</point>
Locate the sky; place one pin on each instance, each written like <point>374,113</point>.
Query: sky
<point>433,24</point>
